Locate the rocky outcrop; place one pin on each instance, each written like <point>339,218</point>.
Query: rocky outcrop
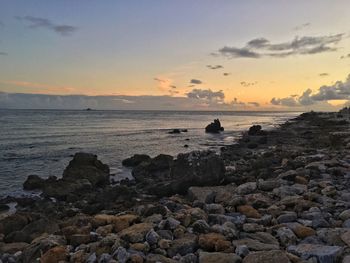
<point>214,127</point>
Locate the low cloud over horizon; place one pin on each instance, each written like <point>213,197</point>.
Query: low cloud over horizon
<point>197,99</point>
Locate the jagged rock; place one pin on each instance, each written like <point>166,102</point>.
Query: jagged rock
<point>33,182</point>
<point>256,130</point>
<point>214,127</point>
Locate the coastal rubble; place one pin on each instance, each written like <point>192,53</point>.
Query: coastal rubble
<point>284,200</point>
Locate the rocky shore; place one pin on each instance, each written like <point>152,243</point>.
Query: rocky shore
<point>274,196</point>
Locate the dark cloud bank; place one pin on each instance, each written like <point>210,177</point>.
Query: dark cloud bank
<point>38,22</point>
<point>262,47</point>
<point>197,99</point>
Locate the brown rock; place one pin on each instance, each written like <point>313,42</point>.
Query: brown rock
<point>135,258</point>
<point>272,256</point>
<point>213,241</point>
<point>12,248</point>
<point>55,255</point>
<point>216,257</point>
<point>300,180</point>
<point>303,231</point>
<point>77,239</point>
<point>104,230</point>
<point>119,222</point>
<point>249,211</point>
<point>135,233</point>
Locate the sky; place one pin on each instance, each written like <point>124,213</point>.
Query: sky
<point>175,55</point>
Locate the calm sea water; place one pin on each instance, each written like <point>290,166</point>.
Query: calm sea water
<point>42,141</point>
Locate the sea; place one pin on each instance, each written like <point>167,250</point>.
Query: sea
<point>42,142</point>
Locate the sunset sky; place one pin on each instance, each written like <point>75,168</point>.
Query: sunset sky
<point>183,54</point>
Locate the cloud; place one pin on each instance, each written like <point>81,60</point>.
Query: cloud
<point>302,26</point>
<point>196,81</point>
<point>248,84</point>
<point>226,74</point>
<point>345,56</point>
<point>215,66</point>
<point>38,22</point>
<point>255,104</point>
<point>262,47</point>
<point>340,90</point>
<point>206,94</point>
<point>324,74</point>
<point>3,53</point>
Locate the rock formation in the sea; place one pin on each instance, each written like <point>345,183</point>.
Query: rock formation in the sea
<point>214,127</point>
<point>136,160</point>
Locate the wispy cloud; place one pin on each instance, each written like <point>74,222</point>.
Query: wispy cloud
<point>3,53</point>
<point>226,74</point>
<point>302,26</point>
<point>215,66</point>
<point>262,47</point>
<point>39,22</point>
<point>345,56</point>
<point>248,84</point>
<point>196,81</point>
<point>324,74</point>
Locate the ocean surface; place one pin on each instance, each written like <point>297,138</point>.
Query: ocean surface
<point>42,142</point>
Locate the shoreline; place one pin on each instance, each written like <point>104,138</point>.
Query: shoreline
<point>277,194</point>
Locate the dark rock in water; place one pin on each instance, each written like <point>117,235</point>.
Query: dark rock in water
<point>33,182</point>
<point>214,127</point>
<point>136,160</point>
<point>4,207</point>
<point>87,166</point>
<point>186,146</point>
<point>256,130</point>
<point>175,131</point>
<point>184,130</point>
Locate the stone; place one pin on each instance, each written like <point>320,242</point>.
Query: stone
<point>55,255</point>
<point>152,237</point>
<point>215,257</point>
<point>201,226</point>
<point>286,236</point>
<point>324,254</point>
<point>345,215</point>
<point>287,217</point>
<point>242,251</point>
<point>254,245</point>
<point>156,258</point>
<point>183,246</point>
<point>33,182</point>
<point>214,209</point>
<point>246,188</point>
<point>136,160</point>
<point>346,238</point>
<point>136,233</point>
<point>12,248</point>
<point>249,211</point>
<point>268,185</point>
<point>272,256</point>
<point>77,239</point>
<point>210,242</point>
<point>302,231</point>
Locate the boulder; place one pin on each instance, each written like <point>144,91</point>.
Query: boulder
<point>136,160</point>
<point>214,127</point>
<point>33,182</point>
<point>55,255</point>
<point>87,166</point>
<point>183,246</point>
<point>136,233</point>
<point>256,130</point>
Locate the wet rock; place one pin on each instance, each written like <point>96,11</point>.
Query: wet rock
<point>287,217</point>
<point>242,251</point>
<point>324,254</point>
<point>214,127</point>
<point>255,245</point>
<point>286,236</point>
<point>267,257</point>
<point>136,160</point>
<point>12,248</point>
<point>256,130</point>
<point>214,257</point>
<point>33,182</point>
<point>201,226</point>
